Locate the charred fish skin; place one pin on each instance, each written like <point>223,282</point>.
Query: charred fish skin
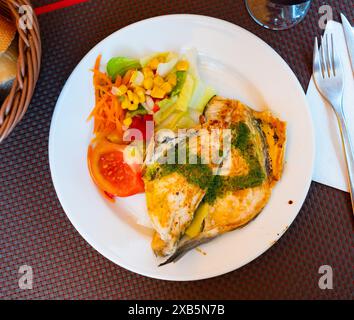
<point>232,208</point>
<point>184,248</point>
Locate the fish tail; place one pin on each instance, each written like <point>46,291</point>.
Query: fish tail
<point>185,247</point>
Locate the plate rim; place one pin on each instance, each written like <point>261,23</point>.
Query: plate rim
<point>106,252</point>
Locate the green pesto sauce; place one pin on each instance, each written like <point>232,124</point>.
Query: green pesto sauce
<point>241,136</point>
<point>214,189</point>
<point>242,140</point>
<point>198,174</point>
<point>201,174</point>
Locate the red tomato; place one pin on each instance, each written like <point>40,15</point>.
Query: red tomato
<point>111,173</point>
<point>140,123</point>
<point>155,108</point>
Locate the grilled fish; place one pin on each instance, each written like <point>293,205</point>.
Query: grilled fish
<point>173,190</point>
<point>230,198</point>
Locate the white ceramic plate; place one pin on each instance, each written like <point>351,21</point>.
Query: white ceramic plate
<point>239,65</point>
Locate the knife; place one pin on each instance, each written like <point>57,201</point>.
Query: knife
<point>349,38</point>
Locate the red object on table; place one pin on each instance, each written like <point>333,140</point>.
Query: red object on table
<point>57,5</point>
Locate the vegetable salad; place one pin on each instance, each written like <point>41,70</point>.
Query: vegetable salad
<point>164,88</point>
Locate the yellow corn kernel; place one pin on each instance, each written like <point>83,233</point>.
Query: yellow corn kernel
<point>166,87</point>
<point>153,64</point>
<point>139,90</point>
<point>148,83</point>
<point>126,103</point>
<point>158,93</point>
<point>135,77</point>
<point>133,106</point>
<point>162,58</point>
<point>172,79</point>
<point>130,95</point>
<point>158,81</point>
<point>183,65</point>
<point>122,90</point>
<point>127,122</point>
<point>135,98</point>
<point>148,73</point>
<point>142,97</point>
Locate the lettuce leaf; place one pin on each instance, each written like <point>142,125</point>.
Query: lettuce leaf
<point>120,65</point>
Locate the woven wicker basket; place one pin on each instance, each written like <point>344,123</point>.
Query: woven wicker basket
<point>29,47</point>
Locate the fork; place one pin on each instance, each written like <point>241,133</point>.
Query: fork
<point>329,80</point>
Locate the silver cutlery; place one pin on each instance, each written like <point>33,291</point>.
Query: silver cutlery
<point>329,80</point>
<point>349,38</point>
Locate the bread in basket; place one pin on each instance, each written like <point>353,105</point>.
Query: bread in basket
<point>20,60</point>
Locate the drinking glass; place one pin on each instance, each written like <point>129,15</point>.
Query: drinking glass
<point>278,14</point>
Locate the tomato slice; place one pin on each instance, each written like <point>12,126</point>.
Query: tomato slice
<point>111,173</point>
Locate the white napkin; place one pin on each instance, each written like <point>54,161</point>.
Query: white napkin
<point>330,167</point>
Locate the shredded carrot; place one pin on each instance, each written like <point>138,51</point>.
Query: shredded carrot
<point>107,113</point>
<point>118,81</point>
<point>98,62</point>
<point>127,77</point>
